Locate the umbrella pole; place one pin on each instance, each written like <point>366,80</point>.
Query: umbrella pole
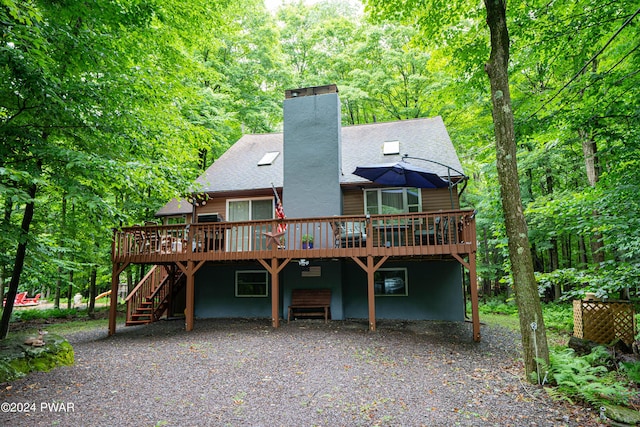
<point>450,188</point>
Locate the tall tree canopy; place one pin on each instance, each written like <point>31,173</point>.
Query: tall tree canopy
<point>109,110</point>
<point>571,110</point>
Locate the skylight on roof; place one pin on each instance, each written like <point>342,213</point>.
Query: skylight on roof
<point>268,158</point>
<point>391,147</point>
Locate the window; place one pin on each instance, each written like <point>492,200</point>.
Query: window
<point>251,283</point>
<point>388,201</point>
<point>172,220</point>
<point>250,209</point>
<point>391,281</point>
<point>391,147</point>
<point>268,158</point>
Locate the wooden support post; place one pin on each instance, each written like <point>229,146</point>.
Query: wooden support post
<point>189,312</point>
<point>371,293</point>
<point>371,268</point>
<point>274,269</point>
<point>473,283</point>
<point>113,307</point>
<point>275,294</point>
<point>190,270</point>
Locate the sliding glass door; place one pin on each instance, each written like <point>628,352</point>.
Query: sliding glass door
<point>245,238</point>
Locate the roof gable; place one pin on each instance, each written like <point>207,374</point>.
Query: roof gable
<point>238,168</point>
<point>426,138</point>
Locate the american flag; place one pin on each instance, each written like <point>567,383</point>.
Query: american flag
<point>280,215</point>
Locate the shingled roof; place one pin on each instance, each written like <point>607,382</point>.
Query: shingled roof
<point>238,170</point>
<point>426,138</point>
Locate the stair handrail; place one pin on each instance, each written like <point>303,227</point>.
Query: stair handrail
<point>140,284</point>
<point>163,283</point>
<point>147,286</point>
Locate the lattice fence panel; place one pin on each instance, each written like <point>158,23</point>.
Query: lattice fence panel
<point>604,322</point>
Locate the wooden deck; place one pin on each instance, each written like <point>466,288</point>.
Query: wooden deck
<point>368,240</point>
<point>418,234</point>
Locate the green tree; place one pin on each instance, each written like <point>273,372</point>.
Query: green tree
<point>86,115</point>
<point>526,289</point>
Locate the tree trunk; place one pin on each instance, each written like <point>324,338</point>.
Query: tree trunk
<point>92,289</point>
<point>19,261</point>
<point>554,261</point>
<point>582,255</point>
<point>70,290</point>
<point>553,266</point>
<point>2,274</point>
<point>589,150</point>
<point>63,220</point>
<point>534,338</point>
<point>8,208</point>
<point>566,251</point>
<point>538,261</point>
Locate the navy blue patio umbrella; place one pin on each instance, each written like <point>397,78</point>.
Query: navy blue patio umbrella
<point>401,174</point>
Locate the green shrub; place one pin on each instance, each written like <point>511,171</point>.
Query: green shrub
<point>558,317</point>
<point>586,378</point>
<point>631,370</point>
<point>498,306</point>
<point>49,313</point>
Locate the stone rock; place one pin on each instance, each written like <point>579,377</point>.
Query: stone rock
<point>620,414</point>
<point>18,355</point>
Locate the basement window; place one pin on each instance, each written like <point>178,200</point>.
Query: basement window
<point>251,283</point>
<point>268,158</point>
<point>391,147</point>
<point>390,282</point>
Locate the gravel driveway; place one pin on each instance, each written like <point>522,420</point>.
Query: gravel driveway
<point>242,372</point>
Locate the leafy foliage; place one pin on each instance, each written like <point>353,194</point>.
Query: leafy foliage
<point>126,102</point>
<point>50,313</point>
<point>586,378</point>
<point>632,371</point>
<point>498,306</point>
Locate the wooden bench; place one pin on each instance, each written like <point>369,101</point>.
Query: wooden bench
<point>310,303</point>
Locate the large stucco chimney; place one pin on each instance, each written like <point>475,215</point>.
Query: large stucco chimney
<point>312,149</point>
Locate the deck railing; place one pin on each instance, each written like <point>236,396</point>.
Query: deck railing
<point>147,286</point>
<point>420,233</point>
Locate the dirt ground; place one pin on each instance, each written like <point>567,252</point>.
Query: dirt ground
<point>242,372</point>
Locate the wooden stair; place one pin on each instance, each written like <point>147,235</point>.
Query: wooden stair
<point>151,298</point>
<point>143,314</point>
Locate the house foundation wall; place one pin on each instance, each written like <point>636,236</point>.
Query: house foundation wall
<point>215,294</point>
<point>435,292</point>
<point>330,273</point>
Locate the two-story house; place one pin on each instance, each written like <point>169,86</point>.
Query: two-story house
<point>380,251</point>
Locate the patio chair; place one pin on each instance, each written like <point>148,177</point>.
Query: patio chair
<point>19,299</point>
<point>442,230</point>
<point>433,233</point>
<point>31,301</point>
<point>145,242</point>
<point>349,234</point>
